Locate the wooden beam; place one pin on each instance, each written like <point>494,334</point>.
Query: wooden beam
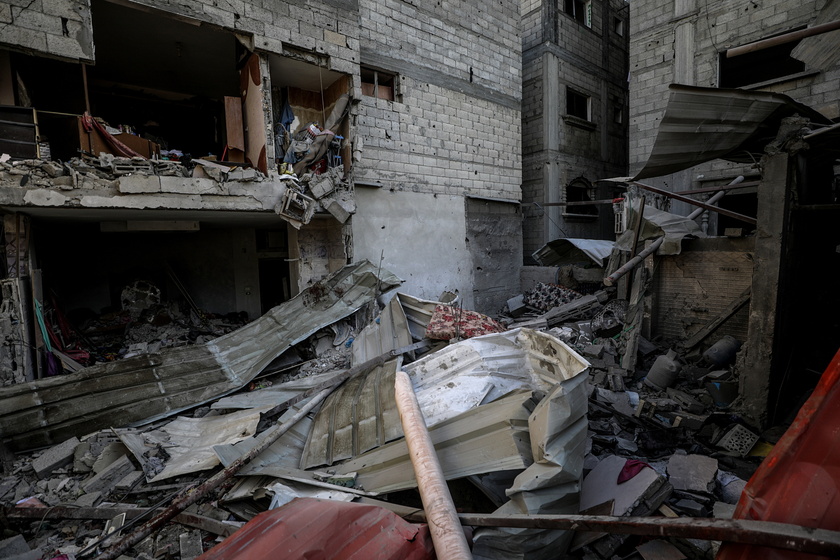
<point>109,512</point>
<point>760,533</point>
<point>729,311</point>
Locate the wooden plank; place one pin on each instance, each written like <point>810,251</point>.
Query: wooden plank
<point>234,129</point>
<point>728,312</point>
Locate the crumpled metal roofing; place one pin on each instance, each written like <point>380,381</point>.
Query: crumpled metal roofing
<point>702,124</point>
<point>154,386</point>
<point>563,251</point>
<point>313,528</point>
<point>821,51</point>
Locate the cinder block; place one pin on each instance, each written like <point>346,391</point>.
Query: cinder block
<point>55,457</point>
<point>107,480</point>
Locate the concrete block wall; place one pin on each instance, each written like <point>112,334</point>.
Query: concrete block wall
<point>60,28</point>
<point>656,29</point>
<point>455,127</point>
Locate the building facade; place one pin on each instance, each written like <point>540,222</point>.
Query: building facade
<point>574,118</point>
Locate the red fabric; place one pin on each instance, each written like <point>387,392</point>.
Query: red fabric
<point>631,468</point>
<point>119,148</point>
<point>453,322</point>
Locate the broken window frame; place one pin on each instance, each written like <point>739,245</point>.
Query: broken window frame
<point>382,82</point>
<point>580,189</point>
<point>580,10</point>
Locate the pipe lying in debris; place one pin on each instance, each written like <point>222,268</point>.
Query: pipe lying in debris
<point>764,533</point>
<point>190,496</point>
<point>447,534</point>
<point>635,261</point>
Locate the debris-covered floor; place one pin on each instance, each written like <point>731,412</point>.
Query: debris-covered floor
<point>555,406</point>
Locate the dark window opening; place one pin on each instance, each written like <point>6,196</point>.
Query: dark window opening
<point>761,66</point>
<point>581,10</point>
<point>577,104</point>
<point>618,114</point>
<point>379,84</point>
<point>580,190</point>
<point>618,26</point>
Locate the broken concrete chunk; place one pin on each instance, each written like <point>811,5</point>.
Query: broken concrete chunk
<point>190,545</point>
<point>659,550</point>
<point>106,480</point>
<point>694,473</point>
<point>516,306</point>
<point>640,495</point>
<point>110,454</point>
<point>55,457</point>
<point>13,546</point>
<point>91,499</point>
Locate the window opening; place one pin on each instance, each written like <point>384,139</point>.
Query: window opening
<point>577,104</point>
<point>580,190</point>
<point>581,10</point>
<point>379,84</point>
<point>765,65</point>
<point>618,26</point>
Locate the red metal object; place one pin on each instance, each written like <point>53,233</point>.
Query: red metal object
<point>322,529</point>
<point>799,481</point>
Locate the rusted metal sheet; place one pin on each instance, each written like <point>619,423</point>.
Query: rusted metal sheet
<point>312,528</point>
<point>799,481</point>
<point>702,124</point>
<point>154,386</point>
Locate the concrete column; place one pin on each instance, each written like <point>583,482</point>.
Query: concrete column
<point>553,100</point>
<point>773,211</point>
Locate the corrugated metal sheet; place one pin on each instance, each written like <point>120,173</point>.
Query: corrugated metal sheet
<point>568,251</point>
<point>702,124</point>
<point>492,437</point>
<point>387,332</point>
<point>359,416</point>
<point>312,528</point>
<point>154,386</point>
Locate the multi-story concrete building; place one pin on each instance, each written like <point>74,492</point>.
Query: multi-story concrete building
<point>423,161</point>
<point>574,115</point>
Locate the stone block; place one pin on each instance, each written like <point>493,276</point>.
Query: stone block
<point>189,185</point>
<point>129,481</point>
<point>91,499</point>
<point>55,457</point>
<point>139,184</point>
<point>338,211</point>
<point>106,480</point>
<point>13,546</point>
<point>693,473</point>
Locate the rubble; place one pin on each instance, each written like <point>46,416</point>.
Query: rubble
<point>539,421</point>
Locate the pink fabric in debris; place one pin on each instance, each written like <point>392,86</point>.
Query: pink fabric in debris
<point>631,468</point>
<point>453,322</point>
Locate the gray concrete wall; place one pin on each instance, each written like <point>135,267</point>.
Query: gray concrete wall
<point>60,28</point>
<point>423,239</point>
<point>559,53</point>
<point>495,248</point>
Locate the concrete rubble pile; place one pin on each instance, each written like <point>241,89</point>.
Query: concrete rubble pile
<point>543,411</point>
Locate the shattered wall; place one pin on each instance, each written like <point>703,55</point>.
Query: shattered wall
<point>321,249</point>
<point>563,54</point>
<point>495,250</point>
<point>693,288</point>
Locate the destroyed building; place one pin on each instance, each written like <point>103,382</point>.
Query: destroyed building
<point>773,47</point>
<point>635,398</point>
<point>403,139</point>
<point>574,117</point>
